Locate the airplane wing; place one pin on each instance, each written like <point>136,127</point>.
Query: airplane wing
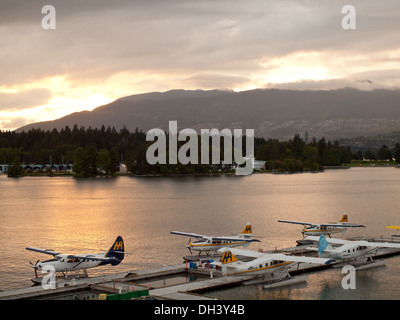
<point>330,240</point>
<point>46,251</point>
<point>379,244</point>
<point>344,225</point>
<point>242,252</point>
<point>277,256</point>
<point>236,239</point>
<point>281,256</point>
<point>376,244</point>
<point>297,222</point>
<point>193,235</point>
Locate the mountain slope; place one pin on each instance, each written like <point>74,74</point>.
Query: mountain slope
<point>270,112</point>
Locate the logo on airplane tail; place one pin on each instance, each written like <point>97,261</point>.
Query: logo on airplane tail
<point>322,244</point>
<point>247,229</point>
<point>119,245</point>
<point>228,257</point>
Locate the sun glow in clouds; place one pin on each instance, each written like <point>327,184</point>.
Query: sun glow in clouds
<point>64,99</point>
<point>85,60</point>
<point>298,66</point>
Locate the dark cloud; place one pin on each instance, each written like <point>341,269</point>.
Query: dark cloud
<point>96,39</point>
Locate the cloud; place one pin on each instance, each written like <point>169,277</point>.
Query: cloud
<point>215,81</point>
<point>24,99</point>
<point>124,47</point>
<point>97,39</point>
<point>13,123</point>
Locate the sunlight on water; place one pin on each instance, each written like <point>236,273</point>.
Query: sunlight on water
<point>86,215</point>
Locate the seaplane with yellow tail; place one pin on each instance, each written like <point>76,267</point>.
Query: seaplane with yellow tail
<point>394,228</point>
<point>316,229</point>
<point>206,243</point>
<point>74,262</point>
<point>264,266</point>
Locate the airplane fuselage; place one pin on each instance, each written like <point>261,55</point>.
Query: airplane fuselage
<point>352,252</point>
<point>255,267</point>
<point>62,263</point>
<point>215,245</point>
<point>315,230</point>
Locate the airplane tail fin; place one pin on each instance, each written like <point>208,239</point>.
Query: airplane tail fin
<point>248,230</point>
<point>228,257</point>
<point>116,251</point>
<point>322,245</point>
<point>344,218</point>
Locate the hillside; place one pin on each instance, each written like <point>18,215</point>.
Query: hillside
<point>272,113</point>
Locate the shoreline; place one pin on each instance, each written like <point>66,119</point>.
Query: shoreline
<point>127,174</point>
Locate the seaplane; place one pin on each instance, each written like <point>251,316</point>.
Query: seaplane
<point>354,252</point>
<point>315,229</point>
<point>394,228</point>
<point>268,266</point>
<point>75,262</point>
<point>206,243</point>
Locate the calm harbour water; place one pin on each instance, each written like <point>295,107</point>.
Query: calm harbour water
<point>86,215</point>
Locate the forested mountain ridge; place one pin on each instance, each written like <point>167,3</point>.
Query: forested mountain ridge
<point>272,113</point>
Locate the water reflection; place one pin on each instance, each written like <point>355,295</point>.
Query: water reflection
<point>85,215</point>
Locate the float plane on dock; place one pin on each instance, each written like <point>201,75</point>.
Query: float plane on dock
<point>206,243</point>
<point>262,263</point>
<point>354,252</point>
<point>316,229</point>
<point>74,262</point>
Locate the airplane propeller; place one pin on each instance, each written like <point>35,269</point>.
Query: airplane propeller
<point>35,267</point>
<point>190,250</point>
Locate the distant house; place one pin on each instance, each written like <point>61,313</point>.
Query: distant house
<point>258,164</point>
<point>123,168</point>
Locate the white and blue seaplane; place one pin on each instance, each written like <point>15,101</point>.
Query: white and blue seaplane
<point>358,253</point>
<point>75,262</point>
<point>206,243</point>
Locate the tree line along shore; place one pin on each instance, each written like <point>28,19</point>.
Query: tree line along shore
<point>100,151</point>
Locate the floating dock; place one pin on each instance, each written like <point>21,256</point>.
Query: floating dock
<point>190,280</point>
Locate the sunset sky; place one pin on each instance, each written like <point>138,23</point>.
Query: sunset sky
<point>103,50</point>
